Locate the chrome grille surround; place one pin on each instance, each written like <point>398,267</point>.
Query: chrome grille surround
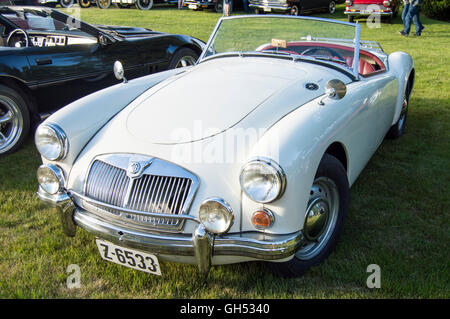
<point>140,192</point>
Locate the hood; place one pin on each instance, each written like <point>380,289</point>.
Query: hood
<point>220,93</point>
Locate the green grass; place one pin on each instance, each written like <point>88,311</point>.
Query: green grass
<point>398,217</point>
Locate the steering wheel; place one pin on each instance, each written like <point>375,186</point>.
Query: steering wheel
<point>330,51</point>
<point>24,42</point>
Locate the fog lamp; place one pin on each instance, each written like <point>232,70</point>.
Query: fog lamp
<point>50,178</point>
<point>216,215</point>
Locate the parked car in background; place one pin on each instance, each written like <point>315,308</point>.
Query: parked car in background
<point>293,7</point>
<point>49,59</point>
<point>246,156</point>
<point>386,9</point>
<point>217,5</point>
<point>139,4</point>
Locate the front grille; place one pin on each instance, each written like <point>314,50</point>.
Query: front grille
<point>110,185</point>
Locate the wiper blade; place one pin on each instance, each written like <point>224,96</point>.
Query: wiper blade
<point>275,52</point>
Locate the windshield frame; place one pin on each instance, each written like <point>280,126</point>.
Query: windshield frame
<point>356,40</point>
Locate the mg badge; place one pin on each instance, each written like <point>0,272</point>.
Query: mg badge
<point>137,168</point>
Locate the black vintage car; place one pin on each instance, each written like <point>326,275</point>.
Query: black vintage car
<point>49,59</point>
<point>293,7</point>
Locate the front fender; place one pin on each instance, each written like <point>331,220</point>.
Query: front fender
<point>82,119</point>
<point>401,65</point>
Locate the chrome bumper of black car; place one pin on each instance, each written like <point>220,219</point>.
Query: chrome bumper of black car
<point>200,246</point>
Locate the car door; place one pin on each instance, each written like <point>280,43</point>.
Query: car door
<point>64,73</point>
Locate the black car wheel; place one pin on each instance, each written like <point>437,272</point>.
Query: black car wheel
<point>144,4</point>
<point>14,120</point>
<point>398,128</point>
<point>103,4</point>
<point>295,10</point>
<point>84,3</point>
<point>332,7</point>
<point>182,58</point>
<point>324,218</point>
<point>218,6</point>
<point>66,3</point>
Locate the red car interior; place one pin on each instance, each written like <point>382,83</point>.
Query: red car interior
<point>368,62</point>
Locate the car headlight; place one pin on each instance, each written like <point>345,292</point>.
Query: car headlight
<point>50,178</point>
<point>348,2</point>
<point>216,215</point>
<point>262,180</point>
<point>51,142</point>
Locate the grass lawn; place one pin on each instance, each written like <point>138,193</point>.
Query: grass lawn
<point>398,217</point>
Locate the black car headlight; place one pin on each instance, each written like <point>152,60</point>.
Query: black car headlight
<point>51,142</point>
<point>262,180</point>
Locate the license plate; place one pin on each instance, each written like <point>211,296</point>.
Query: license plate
<point>128,257</point>
<point>366,11</point>
<point>267,9</point>
<point>192,6</point>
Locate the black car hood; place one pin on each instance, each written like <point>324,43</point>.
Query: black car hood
<point>127,31</point>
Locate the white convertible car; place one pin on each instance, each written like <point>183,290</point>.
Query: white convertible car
<point>248,155</point>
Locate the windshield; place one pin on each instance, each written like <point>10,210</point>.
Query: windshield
<point>314,38</point>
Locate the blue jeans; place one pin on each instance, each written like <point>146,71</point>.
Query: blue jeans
<point>413,14</point>
<point>405,12</point>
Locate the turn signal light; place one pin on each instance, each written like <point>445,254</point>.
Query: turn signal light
<point>262,219</point>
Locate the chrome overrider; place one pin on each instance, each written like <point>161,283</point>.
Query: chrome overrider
<point>201,245</point>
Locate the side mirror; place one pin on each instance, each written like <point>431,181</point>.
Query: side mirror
<point>119,72</point>
<point>335,90</point>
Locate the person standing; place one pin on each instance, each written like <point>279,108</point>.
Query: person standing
<point>227,7</point>
<point>413,15</point>
<point>405,10</point>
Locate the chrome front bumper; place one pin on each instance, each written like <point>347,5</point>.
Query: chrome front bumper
<point>200,246</point>
<point>273,7</point>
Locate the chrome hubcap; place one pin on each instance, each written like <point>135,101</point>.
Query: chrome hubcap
<point>332,7</point>
<point>185,61</point>
<point>10,123</point>
<point>321,217</point>
<point>403,114</point>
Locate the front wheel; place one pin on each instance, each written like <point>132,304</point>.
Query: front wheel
<point>103,4</point>
<point>398,128</point>
<point>14,120</point>
<point>66,3</point>
<point>144,4</point>
<point>218,7</point>
<point>182,58</point>
<point>332,7</point>
<point>84,3</point>
<point>324,218</point>
<point>295,10</point>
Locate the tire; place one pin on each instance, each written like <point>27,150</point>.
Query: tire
<point>398,129</point>
<point>332,7</point>
<point>66,3</point>
<point>144,4</point>
<point>218,7</point>
<point>14,120</point>
<point>350,18</point>
<point>295,10</point>
<point>103,4</point>
<point>84,3</point>
<point>329,198</point>
<point>121,6</point>
<point>183,57</point>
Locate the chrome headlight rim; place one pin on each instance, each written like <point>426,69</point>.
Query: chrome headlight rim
<point>279,173</point>
<point>57,172</point>
<point>227,208</point>
<point>61,138</point>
